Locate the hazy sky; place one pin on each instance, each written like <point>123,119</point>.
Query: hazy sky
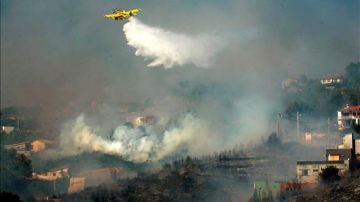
<point>60,53</point>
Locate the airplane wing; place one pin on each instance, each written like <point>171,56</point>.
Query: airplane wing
<point>123,14</point>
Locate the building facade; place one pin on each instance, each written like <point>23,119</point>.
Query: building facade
<point>347,116</point>
<point>339,154</point>
<point>76,184</point>
<point>331,79</point>
<point>344,157</point>
<point>53,174</point>
<point>23,148</point>
<point>308,171</point>
<point>7,129</point>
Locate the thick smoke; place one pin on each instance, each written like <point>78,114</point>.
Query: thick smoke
<point>168,48</point>
<point>137,144</point>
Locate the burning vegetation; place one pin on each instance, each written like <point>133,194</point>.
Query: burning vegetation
<point>143,159</point>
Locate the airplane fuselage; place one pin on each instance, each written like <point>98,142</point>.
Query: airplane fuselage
<point>122,14</point>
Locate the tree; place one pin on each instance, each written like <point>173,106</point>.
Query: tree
<point>294,107</point>
<point>330,174</point>
<point>9,111</point>
<point>188,161</point>
<point>15,170</point>
<point>273,140</point>
<point>167,166</point>
<point>7,196</point>
<point>352,83</point>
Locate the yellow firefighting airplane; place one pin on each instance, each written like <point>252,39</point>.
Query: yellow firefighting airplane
<point>122,14</point>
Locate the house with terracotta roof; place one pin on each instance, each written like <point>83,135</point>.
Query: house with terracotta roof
<point>347,116</point>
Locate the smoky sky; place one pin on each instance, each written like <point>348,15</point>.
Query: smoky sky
<point>64,54</point>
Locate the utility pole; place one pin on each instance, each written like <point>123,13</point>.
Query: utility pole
<point>328,130</point>
<point>298,124</point>
<point>278,125</point>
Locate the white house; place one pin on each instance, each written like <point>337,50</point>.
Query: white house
<point>308,171</point>
<point>53,174</point>
<point>331,79</point>
<point>347,115</point>
<point>7,129</point>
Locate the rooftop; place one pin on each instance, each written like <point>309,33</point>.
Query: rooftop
<point>332,76</point>
<point>59,168</point>
<point>342,152</point>
<point>352,107</point>
<point>319,162</point>
<point>338,150</point>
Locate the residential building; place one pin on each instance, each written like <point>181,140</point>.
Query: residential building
<point>347,116</point>
<point>144,120</point>
<point>357,149</point>
<point>20,148</point>
<point>344,157</point>
<point>317,138</point>
<point>7,129</point>
<point>76,184</point>
<point>347,142</point>
<point>351,141</point>
<point>339,154</point>
<point>293,85</point>
<point>331,79</point>
<point>26,148</point>
<point>308,137</point>
<point>308,171</point>
<point>53,174</point>
<point>100,176</point>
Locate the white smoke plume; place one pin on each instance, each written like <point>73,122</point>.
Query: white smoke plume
<point>135,144</point>
<point>167,49</point>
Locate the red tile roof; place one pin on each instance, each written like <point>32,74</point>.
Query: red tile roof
<point>350,108</point>
<point>353,107</point>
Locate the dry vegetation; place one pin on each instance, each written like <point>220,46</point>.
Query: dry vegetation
<point>347,189</point>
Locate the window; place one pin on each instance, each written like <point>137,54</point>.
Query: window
<point>334,157</point>
<point>305,172</point>
<point>315,170</point>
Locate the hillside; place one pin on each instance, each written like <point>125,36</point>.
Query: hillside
<point>347,189</point>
